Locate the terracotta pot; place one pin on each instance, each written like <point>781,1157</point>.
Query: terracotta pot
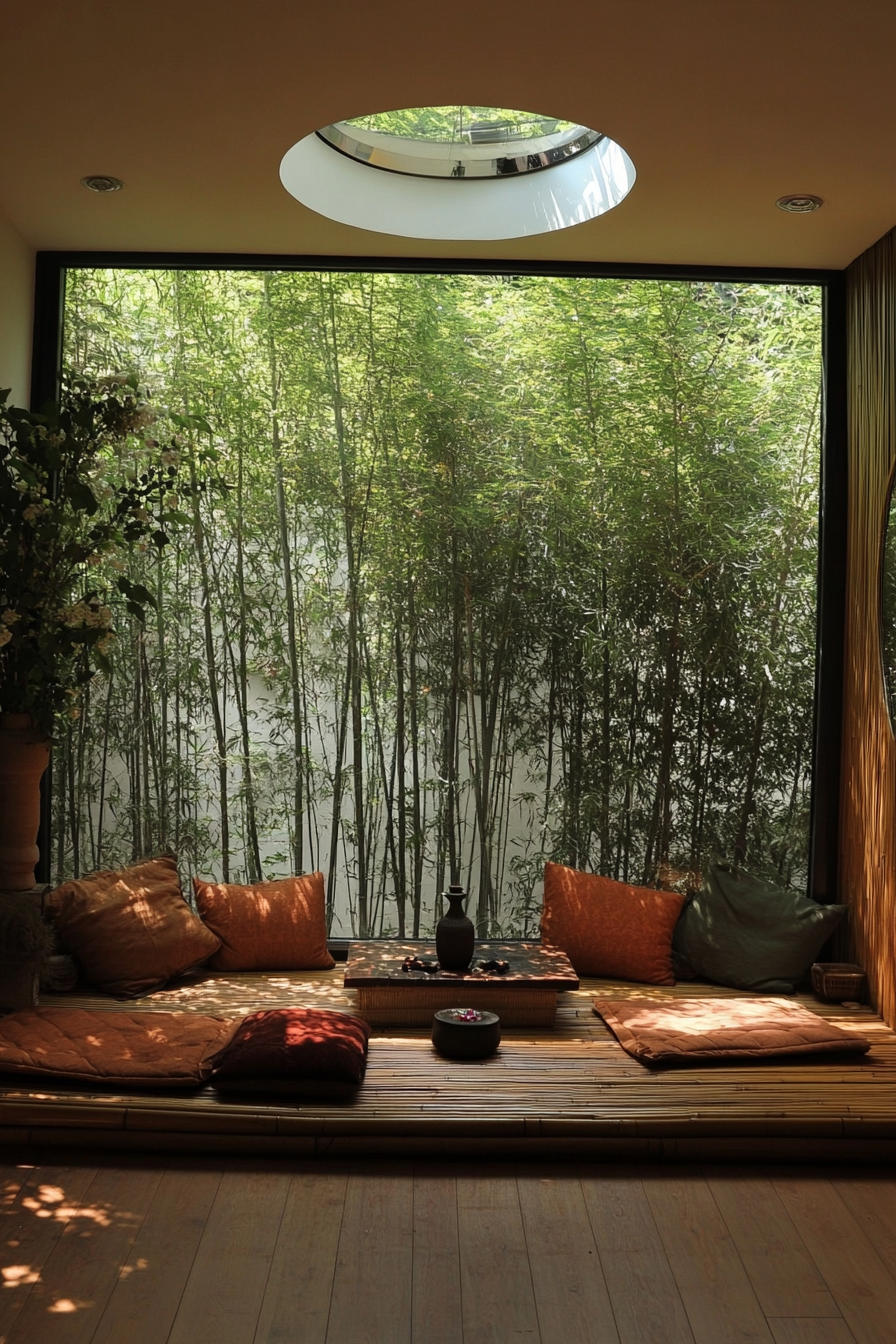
<point>24,756</point>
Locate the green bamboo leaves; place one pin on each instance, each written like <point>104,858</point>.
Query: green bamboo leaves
<point>485,571</point>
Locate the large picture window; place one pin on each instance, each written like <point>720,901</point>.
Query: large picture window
<point>474,572</point>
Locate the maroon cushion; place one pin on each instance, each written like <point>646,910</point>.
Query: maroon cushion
<point>292,1043</point>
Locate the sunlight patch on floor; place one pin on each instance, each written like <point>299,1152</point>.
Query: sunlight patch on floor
<point>16,1276</point>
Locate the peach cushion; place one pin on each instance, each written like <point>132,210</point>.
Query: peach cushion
<point>130,930</point>
<point>149,1049</point>
<point>271,926</point>
<point>608,928</point>
<point>679,1031</point>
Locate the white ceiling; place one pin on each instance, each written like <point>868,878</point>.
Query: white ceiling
<point>723,105</point>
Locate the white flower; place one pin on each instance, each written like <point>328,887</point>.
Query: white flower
<point>5,636</point>
<point>79,614</point>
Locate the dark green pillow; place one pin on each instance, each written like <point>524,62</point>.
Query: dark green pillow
<point>744,932</point>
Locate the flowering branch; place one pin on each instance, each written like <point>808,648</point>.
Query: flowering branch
<point>66,535</point>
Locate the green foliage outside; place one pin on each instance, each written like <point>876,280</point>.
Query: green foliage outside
<point>66,536</point>
<point>454,124</point>
<point>489,571</point>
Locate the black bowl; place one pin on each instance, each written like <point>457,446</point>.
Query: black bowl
<point>466,1038</point>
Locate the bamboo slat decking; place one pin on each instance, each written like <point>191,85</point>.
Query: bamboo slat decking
<point>567,1093</point>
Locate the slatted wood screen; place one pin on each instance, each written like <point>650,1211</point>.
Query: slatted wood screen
<point>868,798</point>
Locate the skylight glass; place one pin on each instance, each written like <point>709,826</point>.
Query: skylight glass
<point>460,141</point>
<point>524,173</point>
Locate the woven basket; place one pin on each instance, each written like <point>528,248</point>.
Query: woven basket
<point>838,980</point>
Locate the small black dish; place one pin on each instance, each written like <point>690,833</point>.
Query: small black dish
<point>466,1033</point>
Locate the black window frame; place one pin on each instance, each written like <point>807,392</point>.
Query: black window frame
<point>49,299</point>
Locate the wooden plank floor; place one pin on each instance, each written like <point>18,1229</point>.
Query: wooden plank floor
<point>184,1250</point>
<point>563,1093</point>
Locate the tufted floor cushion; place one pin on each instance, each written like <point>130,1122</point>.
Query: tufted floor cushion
<point>664,1033</point>
<point>142,1049</point>
<point>301,1052</point>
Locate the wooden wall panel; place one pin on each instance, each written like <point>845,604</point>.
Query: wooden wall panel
<point>868,797</point>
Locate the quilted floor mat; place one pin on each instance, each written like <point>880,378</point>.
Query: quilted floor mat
<point>663,1033</point>
<point>145,1049</point>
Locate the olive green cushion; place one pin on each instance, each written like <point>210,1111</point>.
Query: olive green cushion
<point>743,932</point>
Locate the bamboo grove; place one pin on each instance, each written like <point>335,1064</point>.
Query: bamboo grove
<point>483,571</point>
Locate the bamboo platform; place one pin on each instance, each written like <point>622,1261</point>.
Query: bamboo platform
<point>570,1093</point>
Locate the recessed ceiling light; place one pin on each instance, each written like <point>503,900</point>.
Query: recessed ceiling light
<point>458,172</point>
<point>799,205</point>
<point>100,182</point>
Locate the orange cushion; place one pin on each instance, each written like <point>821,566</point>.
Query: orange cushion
<point>680,1031</point>
<point>130,930</point>
<point>149,1049</point>
<point>608,928</point>
<point>270,926</point>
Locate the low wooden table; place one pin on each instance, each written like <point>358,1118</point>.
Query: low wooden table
<point>526,996</point>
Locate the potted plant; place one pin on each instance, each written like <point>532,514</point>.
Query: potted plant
<point>77,497</point>
<point>26,946</point>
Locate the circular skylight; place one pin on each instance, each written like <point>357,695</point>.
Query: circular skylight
<point>458,173</point>
<point>459,142</point>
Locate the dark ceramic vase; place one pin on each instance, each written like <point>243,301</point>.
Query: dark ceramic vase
<point>455,935</point>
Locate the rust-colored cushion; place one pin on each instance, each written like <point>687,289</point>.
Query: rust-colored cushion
<point>608,928</point>
<point>295,1043</point>
<point>130,930</point>
<point>144,1049</point>
<point>271,926</point>
<point>668,1032</point>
